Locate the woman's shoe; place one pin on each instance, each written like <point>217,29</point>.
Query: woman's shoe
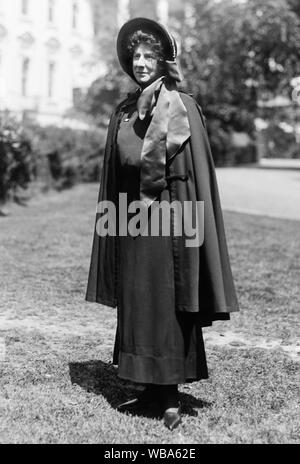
<point>172,417</point>
<point>144,399</point>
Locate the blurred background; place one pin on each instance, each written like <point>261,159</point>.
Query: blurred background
<point>60,80</point>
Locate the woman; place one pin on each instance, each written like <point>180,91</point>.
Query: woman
<point>165,290</point>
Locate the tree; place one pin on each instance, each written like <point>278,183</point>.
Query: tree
<point>233,53</point>
<point>106,91</point>
<point>113,86</point>
<point>295,6</point>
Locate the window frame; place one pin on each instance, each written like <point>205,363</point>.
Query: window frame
<point>25,75</point>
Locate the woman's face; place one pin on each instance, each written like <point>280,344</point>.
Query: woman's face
<point>146,67</point>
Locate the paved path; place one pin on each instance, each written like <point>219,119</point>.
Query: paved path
<point>233,339</point>
<point>280,163</point>
<point>226,338</point>
<point>268,192</point>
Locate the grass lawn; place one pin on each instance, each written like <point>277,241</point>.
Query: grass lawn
<point>57,383</point>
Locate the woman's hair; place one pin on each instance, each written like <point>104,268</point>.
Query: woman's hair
<point>145,37</point>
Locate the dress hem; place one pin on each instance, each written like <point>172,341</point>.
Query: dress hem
<point>161,370</point>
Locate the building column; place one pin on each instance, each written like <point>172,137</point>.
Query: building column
<point>162,11</point>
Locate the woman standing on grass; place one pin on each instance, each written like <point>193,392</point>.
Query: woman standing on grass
<point>165,291</point>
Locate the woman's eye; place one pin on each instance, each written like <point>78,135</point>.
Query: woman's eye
<point>147,56</point>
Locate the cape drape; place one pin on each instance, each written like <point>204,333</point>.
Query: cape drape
<point>203,277</point>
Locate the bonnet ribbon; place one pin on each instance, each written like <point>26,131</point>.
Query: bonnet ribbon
<point>167,132</point>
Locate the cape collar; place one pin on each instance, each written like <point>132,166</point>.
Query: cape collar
<point>168,130</point>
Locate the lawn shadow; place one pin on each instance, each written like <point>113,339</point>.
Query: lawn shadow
<point>191,405</point>
<point>101,378</point>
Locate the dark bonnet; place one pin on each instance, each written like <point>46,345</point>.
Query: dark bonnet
<point>148,26</point>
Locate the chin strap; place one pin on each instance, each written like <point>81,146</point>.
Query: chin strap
<point>167,132</point>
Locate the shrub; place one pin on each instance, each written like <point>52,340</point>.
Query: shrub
<point>73,155</point>
<point>63,156</point>
<point>280,144</point>
<point>17,163</point>
<point>224,152</point>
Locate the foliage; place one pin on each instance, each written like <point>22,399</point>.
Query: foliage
<point>106,91</point>
<point>105,26</point>
<point>69,156</point>
<point>295,6</point>
<point>235,53</point>
<point>109,89</point>
<point>17,164</point>
<point>232,55</point>
<point>73,155</point>
<point>280,144</point>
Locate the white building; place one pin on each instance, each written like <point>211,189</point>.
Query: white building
<point>46,55</point>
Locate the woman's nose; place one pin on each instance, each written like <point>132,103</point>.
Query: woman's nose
<point>141,61</point>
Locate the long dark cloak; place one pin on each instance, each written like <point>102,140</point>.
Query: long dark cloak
<point>203,277</point>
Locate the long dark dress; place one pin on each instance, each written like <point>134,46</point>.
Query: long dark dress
<point>155,343</point>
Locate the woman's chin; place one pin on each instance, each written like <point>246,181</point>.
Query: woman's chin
<point>143,80</point>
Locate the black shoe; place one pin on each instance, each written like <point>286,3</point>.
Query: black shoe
<point>144,399</point>
<point>172,417</point>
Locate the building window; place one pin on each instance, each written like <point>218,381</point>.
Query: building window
<point>51,78</point>
<point>25,7</point>
<point>51,8</point>
<point>75,11</point>
<point>25,73</point>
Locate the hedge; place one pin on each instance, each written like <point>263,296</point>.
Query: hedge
<point>72,155</point>
<point>17,164</point>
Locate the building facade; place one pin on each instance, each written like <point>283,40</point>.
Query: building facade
<point>50,50</point>
<point>46,56</point>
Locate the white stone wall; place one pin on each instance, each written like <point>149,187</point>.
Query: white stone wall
<point>33,37</point>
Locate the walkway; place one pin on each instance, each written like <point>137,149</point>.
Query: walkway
<point>254,190</point>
